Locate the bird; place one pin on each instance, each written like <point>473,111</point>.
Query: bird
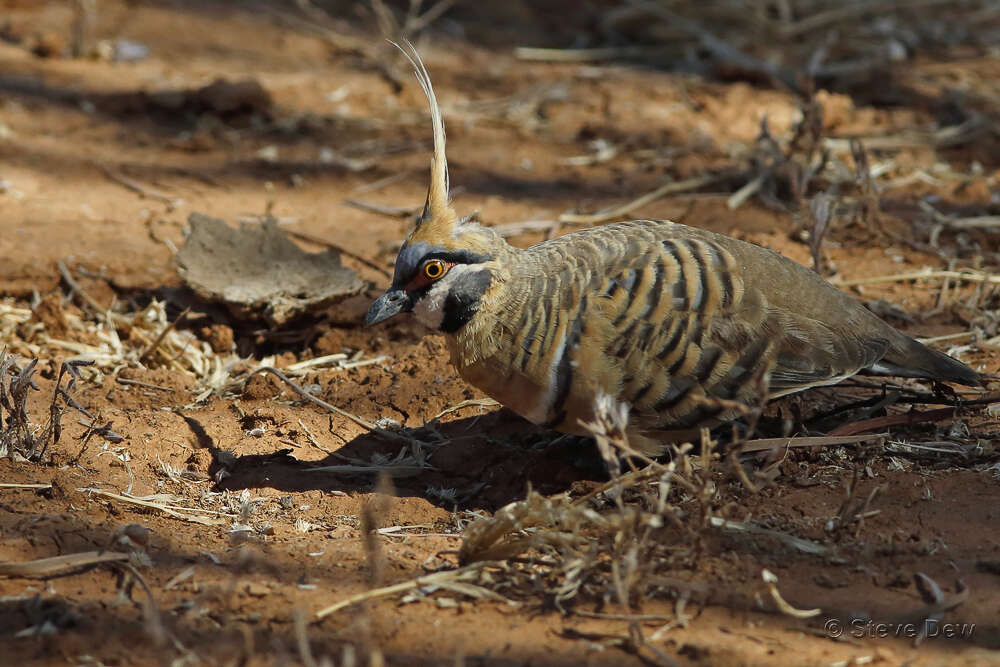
<point>687,327</point>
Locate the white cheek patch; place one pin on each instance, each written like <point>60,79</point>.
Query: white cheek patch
<point>429,310</point>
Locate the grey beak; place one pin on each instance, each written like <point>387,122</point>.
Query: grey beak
<point>393,302</point>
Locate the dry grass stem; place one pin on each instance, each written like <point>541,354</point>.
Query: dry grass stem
<point>446,578</point>
<point>312,439</point>
<point>772,586</point>
<point>581,55</point>
<point>312,238</point>
<point>846,12</point>
<point>316,362</point>
<point>526,227</point>
<point>384,182</point>
<point>765,444</point>
<point>470,403</point>
<point>674,187</point>
<point>48,567</point>
<point>303,394</point>
<point>383,209</point>
<point>798,543</point>
<point>152,347</point>
<point>76,289</point>
<point>905,419</point>
<point>615,542</point>
<point>967,275</point>
<point>166,504</point>
<point>140,383</point>
<point>140,189</point>
<point>855,509</point>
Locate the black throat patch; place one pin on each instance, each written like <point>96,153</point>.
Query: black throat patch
<point>462,301</point>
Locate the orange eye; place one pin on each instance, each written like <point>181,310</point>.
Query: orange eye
<point>434,269</point>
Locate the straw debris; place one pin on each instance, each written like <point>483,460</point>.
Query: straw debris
<point>615,544</point>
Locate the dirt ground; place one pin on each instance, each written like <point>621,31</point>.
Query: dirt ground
<point>240,542</point>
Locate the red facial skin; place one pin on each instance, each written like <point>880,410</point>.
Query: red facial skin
<point>421,280</point>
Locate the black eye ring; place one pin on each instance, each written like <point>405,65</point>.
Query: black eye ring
<point>434,269</point>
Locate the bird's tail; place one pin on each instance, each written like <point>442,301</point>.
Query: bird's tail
<point>907,357</point>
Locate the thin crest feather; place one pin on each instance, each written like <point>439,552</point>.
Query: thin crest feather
<point>437,207</point>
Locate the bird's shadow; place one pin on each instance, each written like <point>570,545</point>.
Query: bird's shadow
<point>482,462</point>
<point>478,463</point>
<point>475,463</point>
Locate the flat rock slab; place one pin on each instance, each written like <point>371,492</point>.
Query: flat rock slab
<point>259,273</point>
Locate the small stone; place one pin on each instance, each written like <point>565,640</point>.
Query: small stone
<point>989,565</point>
<point>49,312</point>
<point>49,44</point>
<point>225,97</point>
<point>256,590</point>
<point>127,51</point>
<point>261,387</point>
<point>137,533</point>
<point>268,153</point>
<point>219,336</point>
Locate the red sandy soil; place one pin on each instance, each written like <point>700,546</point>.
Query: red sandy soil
<point>67,123</point>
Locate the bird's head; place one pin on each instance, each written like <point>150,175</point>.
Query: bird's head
<point>447,263</point>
